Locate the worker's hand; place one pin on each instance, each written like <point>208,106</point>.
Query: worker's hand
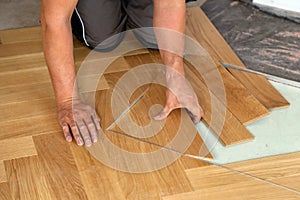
<point>180,95</point>
<point>80,121</point>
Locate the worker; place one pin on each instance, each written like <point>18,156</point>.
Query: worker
<point>93,21</point>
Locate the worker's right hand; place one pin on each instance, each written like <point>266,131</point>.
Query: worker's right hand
<point>80,121</point>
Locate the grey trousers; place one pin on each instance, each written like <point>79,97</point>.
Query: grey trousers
<point>94,21</point>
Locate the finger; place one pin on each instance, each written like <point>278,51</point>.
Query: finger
<point>66,132</point>
<point>92,130</point>
<point>84,133</point>
<point>96,121</point>
<point>76,135</point>
<point>163,114</point>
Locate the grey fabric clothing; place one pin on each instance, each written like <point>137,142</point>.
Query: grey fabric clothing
<point>94,21</point>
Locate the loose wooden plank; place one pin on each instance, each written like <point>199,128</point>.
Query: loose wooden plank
<point>17,148</point>
<point>59,167</point>
<point>237,96</point>
<point>233,131</point>
<point>3,177</point>
<point>27,179</point>
<point>206,34</point>
<point>5,193</point>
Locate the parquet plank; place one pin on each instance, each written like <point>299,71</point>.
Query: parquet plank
<point>22,110</point>
<point>237,96</point>
<point>27,179</point>
<point>17,148</point>
<point>3,177</point>
<point>21,35</point>
<point>35,91</point>
<point>206,34</point>
<point>30,126</point>
<point>213,178</point>
<point>139,114</point>
<point>246,191</point>
<point>233,131</point>
<point>101,180</point>
<point>281,169</point>
<point>59,167</point>
<point>5,193</point>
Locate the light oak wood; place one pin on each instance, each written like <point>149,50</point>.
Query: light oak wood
<point>5,192</point>
<point>100,180</point>
<point>27,179</point>
<point>17,148</point>
<point>233,131</point>
<point>206,34</point>
<point>30,126</point>
<point>55,156</point>
<point>3,177</point>
<point>20,35</point>
<point>248,191</point>
<point>27,109</point>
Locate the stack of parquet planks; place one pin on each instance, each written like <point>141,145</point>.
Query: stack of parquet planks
<point>36,162</point>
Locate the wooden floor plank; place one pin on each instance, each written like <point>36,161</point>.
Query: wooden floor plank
<point>59,167</point>
<point>17,148</point>
<point>27,179</point>
<point>281,169</point>
<point>3,177</point>
<point>30,126</point>
<point>233,131</point>
<point>22,110</point>
<point>112,184</point>
<point>214,182</point>
<point>5,192</point>
<point>207,35</point>
<point>21,35</point>
<point>248,191</point>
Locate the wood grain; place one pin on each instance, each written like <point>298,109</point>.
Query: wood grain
<point>206,34</point>
<point>101,180</point>
<point>5,192</point>
<point>30,126</point>
<point>3,177</point>
<point>27,179</point>
<point>17,148</point>
<point>59,167</point>
<point>248,191</point>
<point>21,35</point>
<point>233,131</point>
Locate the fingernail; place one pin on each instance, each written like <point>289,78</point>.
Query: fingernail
<point>79,142</point>
<point>69,138</point>
<point>95,140</point>
<point>88,143</point>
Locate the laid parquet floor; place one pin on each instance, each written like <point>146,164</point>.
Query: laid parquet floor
<point>36,162</point>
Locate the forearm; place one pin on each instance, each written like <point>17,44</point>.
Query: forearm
<point>170,14</point>
<point>58,51</point>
